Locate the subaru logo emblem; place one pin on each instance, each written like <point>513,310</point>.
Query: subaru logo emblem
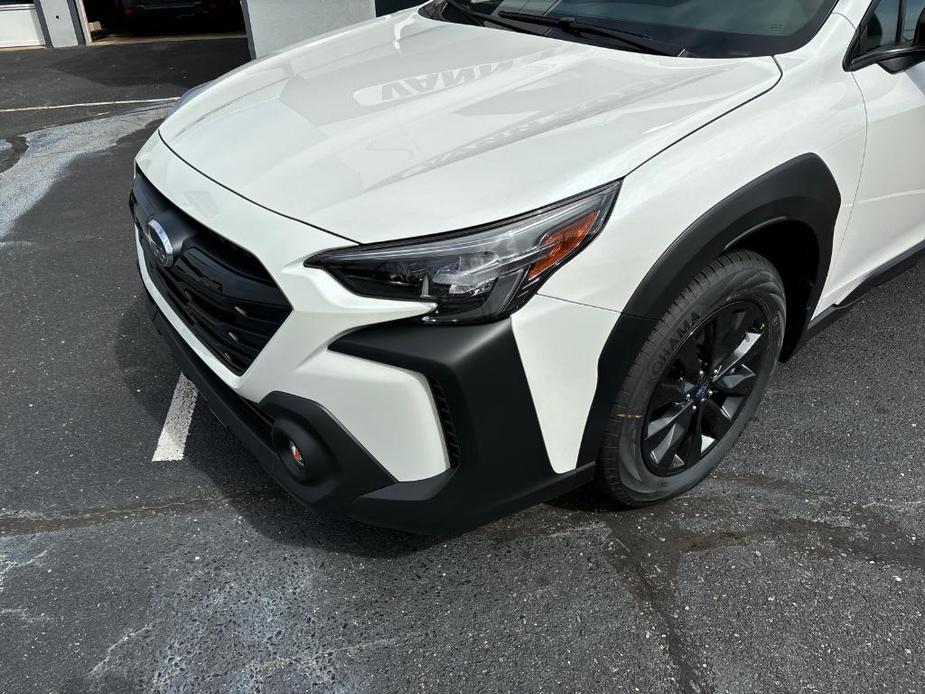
<point>159,244</point>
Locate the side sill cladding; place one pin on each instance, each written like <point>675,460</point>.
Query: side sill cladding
<point>886,272</point>
<point>801,192</point>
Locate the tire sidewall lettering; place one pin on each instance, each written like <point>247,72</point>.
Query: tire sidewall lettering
<point>678,336</point>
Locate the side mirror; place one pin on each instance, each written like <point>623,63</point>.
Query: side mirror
<point>897,58</point>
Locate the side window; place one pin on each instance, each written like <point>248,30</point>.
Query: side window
<point>884,28</point>
<point>914,9</point>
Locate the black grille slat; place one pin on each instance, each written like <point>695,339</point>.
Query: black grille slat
<point>221,334</point>
<point>219,290</point>
<point>208,304</point>
<point>206,272</point>
<point>205,310</point>
<point>212,315</point>
<point>451,438</point>
<point>211,332</point>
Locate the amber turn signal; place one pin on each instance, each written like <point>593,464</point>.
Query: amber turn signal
<point>563,241</point>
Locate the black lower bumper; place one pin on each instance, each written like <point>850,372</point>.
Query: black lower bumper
<point>499,462</point>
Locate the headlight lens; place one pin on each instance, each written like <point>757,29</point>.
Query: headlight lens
<point>475,276</point>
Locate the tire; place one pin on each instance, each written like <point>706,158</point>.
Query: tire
<point>636,465</point>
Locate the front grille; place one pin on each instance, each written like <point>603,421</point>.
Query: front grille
<point>220,291</point>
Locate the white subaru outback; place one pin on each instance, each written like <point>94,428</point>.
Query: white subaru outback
<point>452,262</point>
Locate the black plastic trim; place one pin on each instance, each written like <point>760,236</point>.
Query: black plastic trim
<point>802,190</point>
<point>503,465</point>
<point>886,272</point>
<point>445,505</point>
<point>889,270</point>
<point>853,52</point>
<point>894,58</point>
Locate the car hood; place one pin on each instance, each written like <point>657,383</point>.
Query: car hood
<point>406,126</point>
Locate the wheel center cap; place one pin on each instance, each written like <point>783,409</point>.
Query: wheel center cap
<point>702,391</point>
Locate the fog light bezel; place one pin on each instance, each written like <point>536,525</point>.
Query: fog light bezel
<point>315,463</point>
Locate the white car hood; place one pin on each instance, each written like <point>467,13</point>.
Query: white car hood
<point>406,126</point>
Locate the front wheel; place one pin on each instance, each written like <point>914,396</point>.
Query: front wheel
<point>696,382</point>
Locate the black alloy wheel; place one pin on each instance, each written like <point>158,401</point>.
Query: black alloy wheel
<point>705,387</point>
<point>695,383</point>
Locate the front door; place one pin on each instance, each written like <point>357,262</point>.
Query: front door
<point>889,215</point>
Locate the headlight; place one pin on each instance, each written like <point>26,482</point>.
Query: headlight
<point>478,275</point>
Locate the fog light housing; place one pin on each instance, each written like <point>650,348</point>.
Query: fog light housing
<point>302,453</point>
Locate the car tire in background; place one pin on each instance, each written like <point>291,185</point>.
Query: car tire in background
<point>696,382</point>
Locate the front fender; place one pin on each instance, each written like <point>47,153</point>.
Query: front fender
<point>801,192</point>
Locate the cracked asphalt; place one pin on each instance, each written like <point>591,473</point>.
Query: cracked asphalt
<point>798,567</point>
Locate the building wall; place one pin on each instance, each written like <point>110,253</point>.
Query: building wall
<point>274,24</point>
<point>62,22</point>
<point>271,24</point>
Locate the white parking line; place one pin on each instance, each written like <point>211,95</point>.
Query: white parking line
<point>88,105</point>
<point>172,443</point>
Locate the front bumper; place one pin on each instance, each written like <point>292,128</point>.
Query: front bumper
<point>500,460</point>
<point>389,410</point>
<point>422,428</point>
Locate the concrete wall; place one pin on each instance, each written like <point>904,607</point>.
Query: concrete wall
<point>274,24</point>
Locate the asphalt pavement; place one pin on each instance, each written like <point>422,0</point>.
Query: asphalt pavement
<point>798,567</point>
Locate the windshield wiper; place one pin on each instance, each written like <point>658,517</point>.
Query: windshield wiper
<point>480,18</point>
<point>516,20</point>
<point>472,15</point>
<point>574,26</point>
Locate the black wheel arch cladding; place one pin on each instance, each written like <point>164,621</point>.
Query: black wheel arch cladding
<point>802,192</point>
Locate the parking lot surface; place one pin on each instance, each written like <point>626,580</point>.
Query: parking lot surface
<point>798,567</point>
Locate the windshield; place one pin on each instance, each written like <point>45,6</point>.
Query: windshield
<point>702,28</point>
